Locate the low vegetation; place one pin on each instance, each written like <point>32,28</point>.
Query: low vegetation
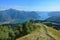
<point>13,31</point>
<point>42,33</point>
<point>29,31</point>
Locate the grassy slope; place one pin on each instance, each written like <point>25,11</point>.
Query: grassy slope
<point>42,33</point>
<point>54,33</point>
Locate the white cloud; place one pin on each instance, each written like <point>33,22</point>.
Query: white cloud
<point>26,8</point>
<point>51,8</point>
<point>17,7</point>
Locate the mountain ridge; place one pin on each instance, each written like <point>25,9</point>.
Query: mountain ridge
<point>16,15</point>
<point>53,19</point>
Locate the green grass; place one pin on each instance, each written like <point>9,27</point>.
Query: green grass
<point>54,33</point>
<point>43,32</point>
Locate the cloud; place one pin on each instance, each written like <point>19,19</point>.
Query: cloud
<point>27,8</point>
<point>50,8</point>
<point>17,7</point>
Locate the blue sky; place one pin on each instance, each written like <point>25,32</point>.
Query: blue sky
<point>31,5</point>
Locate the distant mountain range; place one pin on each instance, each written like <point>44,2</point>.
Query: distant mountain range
<point>15,16</point>
<point>54,16</point>
<point>54,13</point>
<point>53,19</point>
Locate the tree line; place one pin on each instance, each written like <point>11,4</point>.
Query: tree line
<point>7,32</point>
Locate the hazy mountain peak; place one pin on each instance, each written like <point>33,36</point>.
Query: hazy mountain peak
<point>17,16</point>
<point>11,9</point>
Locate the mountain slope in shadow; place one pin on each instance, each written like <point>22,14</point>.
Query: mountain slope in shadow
<point>12,15</point>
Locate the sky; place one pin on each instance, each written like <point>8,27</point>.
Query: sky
<point>31,5</point>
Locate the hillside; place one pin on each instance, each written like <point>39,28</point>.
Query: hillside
<point>42,33</point>
<point>54,13</point>
<point>53,19</point>
<point>54,16</point>
<point>16,16</point>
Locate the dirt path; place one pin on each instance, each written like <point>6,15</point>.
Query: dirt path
<point>40,34</point>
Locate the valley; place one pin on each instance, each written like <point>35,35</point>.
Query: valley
<point>29,25</point>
